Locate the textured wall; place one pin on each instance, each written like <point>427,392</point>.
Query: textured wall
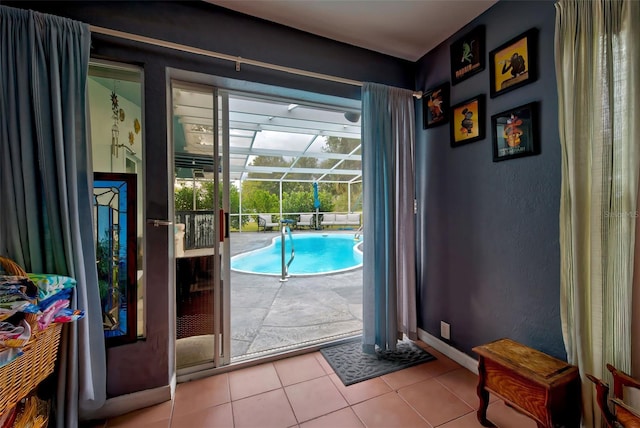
<point>488,232</point>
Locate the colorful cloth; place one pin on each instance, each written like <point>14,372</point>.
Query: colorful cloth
<point>50,284</point>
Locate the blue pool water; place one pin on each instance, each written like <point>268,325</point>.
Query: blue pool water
<point>314,254</point>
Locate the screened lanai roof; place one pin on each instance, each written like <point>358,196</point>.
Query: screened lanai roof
<point>270,139</point>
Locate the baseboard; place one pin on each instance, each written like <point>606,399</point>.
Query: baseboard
<point>458,356</point>
<point>122,404</point>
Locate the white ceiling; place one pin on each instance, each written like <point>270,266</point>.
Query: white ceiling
<point>405,29</point>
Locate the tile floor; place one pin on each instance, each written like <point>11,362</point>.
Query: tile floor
<point>304,392</point>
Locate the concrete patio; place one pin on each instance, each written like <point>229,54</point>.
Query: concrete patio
<point>269,316</point>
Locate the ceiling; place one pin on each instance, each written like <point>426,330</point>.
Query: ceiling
<point>261,127</point>
<point>405,29</point>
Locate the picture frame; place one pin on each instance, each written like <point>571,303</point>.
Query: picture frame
<point>467,121</point>
<point>514,63</point>
<point>114,213</point>
<point>468,55</point>
<point>435,106</point>
<point>515,132</point>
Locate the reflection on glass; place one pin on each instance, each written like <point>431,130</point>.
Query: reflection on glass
<point>117,140</point>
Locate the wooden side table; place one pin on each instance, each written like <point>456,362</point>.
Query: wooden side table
<point>538,385</point>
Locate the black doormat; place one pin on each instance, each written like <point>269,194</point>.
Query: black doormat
<point>353,366</point>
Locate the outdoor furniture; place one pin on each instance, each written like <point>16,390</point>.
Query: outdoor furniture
<point>264,222</point>
<point>626,390</point>
<point>332,219</point>
<point>307,220</point>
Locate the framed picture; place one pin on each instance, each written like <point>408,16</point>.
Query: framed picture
<point>467,121</point>
<point>515,132</point>
<point>435,106</point>
<point>467,55</point>
<point>514,63</point>
<point>114,210</point>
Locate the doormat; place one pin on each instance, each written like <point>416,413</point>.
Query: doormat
<point>352,365</point>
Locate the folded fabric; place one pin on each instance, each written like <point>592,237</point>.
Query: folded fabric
<point>48,314</point>
<point>50,284</point>
<point>21,340</point>
<point>68,315</point>
<point>22,285</point>
<point>61,295</point>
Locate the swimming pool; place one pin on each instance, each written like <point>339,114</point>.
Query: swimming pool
<point>315,254</point>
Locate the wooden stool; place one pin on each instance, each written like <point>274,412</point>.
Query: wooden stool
<point>542,387</point>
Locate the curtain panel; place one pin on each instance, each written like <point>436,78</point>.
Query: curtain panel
<point>46,188</point>
<point>597,70</point>
<point>388,141</point>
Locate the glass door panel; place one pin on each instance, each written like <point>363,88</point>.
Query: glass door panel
<point>200,314</point>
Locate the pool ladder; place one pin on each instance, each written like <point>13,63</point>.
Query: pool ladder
<point>285,266</point>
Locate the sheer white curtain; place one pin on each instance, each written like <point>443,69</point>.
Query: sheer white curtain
<point>597,69</point>
<point>388,140</point>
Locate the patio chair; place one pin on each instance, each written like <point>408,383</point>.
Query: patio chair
<point>264,222</point>
<point>307,220</point>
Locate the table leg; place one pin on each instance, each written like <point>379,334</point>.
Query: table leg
<point>483,395</point>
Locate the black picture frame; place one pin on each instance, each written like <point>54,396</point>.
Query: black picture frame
<point>467,121</point>
<point>514,63</point>
<point>468,55</point>
<point>516,132</point>
<point>435,106</point>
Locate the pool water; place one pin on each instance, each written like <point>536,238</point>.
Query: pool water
<point>315,254</point>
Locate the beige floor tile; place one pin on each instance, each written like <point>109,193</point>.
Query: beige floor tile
<point>469,420</point>
<point>253,380</point>
<point>506,417</point>
<point>269,409</point>
<point>462,383</point>
<point>388,411</point>
<point>314,398</point>
<point>434,402</point>
<point>360,391</point>
<point>201,393</point>
<point>344,418</point>
<point>157,413</point>
<point>424,371</point>
<point>217,416</point>
<point>298,369</point>
<point>325,365</point>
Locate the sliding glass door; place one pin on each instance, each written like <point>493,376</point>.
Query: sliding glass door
<point>201,202</point>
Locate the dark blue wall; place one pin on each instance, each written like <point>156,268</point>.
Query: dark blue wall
<point>488,232</point>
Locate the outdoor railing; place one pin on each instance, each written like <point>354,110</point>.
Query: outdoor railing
<point>198,232</point>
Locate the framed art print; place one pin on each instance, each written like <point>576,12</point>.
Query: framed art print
<point>467,121</point>
<point>514,64</point>
<point>435,106</point>
<point>515,132</point>
<point>467,55</point>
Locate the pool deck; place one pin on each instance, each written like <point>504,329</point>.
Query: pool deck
<point>269,316</point>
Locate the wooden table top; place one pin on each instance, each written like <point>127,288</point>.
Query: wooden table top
<point>539,366</point>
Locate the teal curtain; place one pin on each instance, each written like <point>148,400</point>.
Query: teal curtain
<point>46,188</point>
<point>388,141</point>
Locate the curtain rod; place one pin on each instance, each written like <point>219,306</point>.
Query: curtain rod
<point>237,59</point>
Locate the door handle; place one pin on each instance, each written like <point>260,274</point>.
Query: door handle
<point>158,222</point>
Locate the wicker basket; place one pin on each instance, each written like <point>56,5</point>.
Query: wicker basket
<point>22,375</point>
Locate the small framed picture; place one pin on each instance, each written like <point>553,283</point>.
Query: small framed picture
<point>515,132</point>
<point>467,121</point>
<point>514,63</point>
<point>435,106</point>
<point>467,55</point>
